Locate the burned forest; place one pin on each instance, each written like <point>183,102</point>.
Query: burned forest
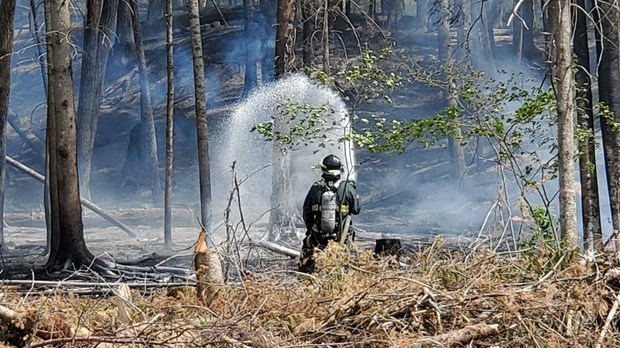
<point>302,173</point>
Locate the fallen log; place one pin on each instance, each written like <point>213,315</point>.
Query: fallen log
<point>276,248</point>
<point>458,337</point>
<point>85,202</point>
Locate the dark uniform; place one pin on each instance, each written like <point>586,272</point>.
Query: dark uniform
<point>347,203</point>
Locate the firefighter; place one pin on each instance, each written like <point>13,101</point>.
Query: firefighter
<point>327,211</point>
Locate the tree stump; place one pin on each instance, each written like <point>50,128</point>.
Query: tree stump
<point>388,247</point>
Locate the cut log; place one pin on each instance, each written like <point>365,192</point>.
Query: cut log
<point>85,202</point>
<point>458,337</point>
<point>209,277</point>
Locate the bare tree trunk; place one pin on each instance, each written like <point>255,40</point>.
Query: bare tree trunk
<point>94,64</point>
<point>268,58</point>
<point>585,118</point>
<point>529,50</point>
<point>125,46</point>
<point>68,247</point>
<point>251,45</point>
<point>609,89</point>
<point>37,39</point>
<point>148,140</point>
<point>169,127</point>
<point>200,100</point>
<point>88,105</point>
<point>7,16</point>
<point>281,216</point>
<point>563,80</point>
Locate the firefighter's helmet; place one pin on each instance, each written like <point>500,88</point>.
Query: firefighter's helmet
<point>331,165</point>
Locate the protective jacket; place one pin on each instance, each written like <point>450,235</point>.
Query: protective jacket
<point>347,202</point>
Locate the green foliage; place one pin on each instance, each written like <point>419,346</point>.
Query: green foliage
<point>609,116</point>
<point>542,235</point>
<point>300,125</point>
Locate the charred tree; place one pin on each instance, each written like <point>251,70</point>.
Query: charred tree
<point>68,247</point>
<point>7,16</point>
<point>148,141</point>
<point>563,81</point>
<point>97,36</point>
<point>169,126</point>
<point>609,89</point>
<point>200,104</point>
<point>585,119</point>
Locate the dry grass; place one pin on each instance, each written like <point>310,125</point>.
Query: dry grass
<point>353,301</point>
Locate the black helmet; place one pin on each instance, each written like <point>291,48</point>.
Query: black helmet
<point>331,165</point>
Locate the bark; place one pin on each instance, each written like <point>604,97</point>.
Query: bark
<point>585,118</point>
<point>209,276</point>
<point>7,16</point>
<point>609,87</point>
<point>285,37</point>
<point>169,126</point>
<point>88,105</point>
<point>563,80</point>
<point>67,239</point>
<point>251,44</point>
<point>200,101</point>
<point>148,140</point>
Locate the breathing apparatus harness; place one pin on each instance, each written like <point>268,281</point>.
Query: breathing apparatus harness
<point>331,206</point>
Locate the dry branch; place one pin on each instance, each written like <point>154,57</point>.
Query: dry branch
<point>460,336</point>
<point>85,202</point>
<point>610,317</point>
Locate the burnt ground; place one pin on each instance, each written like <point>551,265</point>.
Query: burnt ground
<point>409,195</point>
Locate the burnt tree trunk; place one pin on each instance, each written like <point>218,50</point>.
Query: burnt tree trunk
<point>124,48</point>
<point>68,247</point>
<point>200,104</point>
<point>169,127</point>
<point>7,16</point>
<point>587,159</point>
<point>148,140</point>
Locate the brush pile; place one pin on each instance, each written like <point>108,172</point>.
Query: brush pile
<point>441,298</point>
